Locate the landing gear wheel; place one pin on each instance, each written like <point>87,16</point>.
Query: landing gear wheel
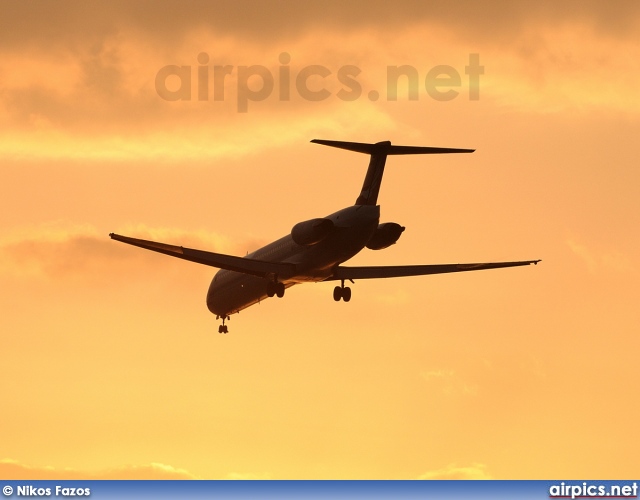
<point>275,288</point>
<point>342,292</point>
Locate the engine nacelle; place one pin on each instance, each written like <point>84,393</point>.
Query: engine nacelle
<point>311,232</point>
<point>386,235</point>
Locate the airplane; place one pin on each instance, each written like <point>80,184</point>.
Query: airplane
<point>315,249</point>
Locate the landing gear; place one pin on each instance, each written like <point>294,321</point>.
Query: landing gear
<point>223,328</point>
<point>275,288</point>
<point>342,292</point>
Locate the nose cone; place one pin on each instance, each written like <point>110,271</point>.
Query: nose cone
<point>210,296</point>
<point>216,302</point>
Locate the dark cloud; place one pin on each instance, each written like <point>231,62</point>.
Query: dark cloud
<point>81,22</point>
<point>109,54</point>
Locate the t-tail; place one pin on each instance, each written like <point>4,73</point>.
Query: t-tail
<point>379,152</point>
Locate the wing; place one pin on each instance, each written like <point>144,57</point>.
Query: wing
<point>231,262</point>
<point>345,273</point>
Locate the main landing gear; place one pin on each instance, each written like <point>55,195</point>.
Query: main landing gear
<point>275,288</point>
<point>342,292</point>
<point>223,328</point>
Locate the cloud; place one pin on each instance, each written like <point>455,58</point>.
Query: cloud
<point>193,140</point>
<point>13,470</point>
<point>437,374</point>
<point>453,471</point>
<point>79,82</point>
<point>79,21</point>
<point>82,253</point>
<point>449,383</point>
<point>600,260</point>
<point>583,254</point>
<point>572,67</point>
<point>85,75</point>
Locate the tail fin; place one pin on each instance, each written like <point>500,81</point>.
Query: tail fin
<point>379,152</point>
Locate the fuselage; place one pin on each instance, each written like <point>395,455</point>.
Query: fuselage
<point>230,292</point>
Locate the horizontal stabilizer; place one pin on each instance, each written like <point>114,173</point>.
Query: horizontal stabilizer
<point>379,152</point>
<point>230,262</point>
<point>386,148</point>
<point>371,272</point>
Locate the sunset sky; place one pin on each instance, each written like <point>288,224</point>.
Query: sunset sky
<point>112,366</point>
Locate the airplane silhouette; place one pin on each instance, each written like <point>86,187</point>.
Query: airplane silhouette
<point>315,249</point>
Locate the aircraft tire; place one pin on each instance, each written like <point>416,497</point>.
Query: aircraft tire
<point>271,288</point>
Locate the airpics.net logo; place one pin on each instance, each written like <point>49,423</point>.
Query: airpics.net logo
<point>209,81</point>
<point>586,490</point>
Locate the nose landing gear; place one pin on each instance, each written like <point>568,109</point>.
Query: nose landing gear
<point>223,328</point>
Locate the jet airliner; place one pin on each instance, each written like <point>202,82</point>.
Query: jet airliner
<point>314,250</point>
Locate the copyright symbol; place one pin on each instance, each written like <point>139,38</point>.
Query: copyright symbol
<point>7,491</point>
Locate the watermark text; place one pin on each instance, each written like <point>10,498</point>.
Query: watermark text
<point>255,83</point>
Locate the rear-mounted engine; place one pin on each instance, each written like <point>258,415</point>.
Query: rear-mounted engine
<point>386,235</point>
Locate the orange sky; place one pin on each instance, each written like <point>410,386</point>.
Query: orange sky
<point>112,365</point>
